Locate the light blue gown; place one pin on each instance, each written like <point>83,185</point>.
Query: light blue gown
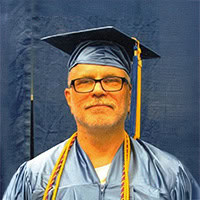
<point>153,175</point>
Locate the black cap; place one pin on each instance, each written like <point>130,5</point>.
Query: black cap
<point>68,42</point>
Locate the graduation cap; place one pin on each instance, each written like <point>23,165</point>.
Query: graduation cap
<point>68,42</point>
<point>89,47</point>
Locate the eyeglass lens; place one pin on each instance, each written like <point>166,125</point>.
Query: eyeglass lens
<point>108,84</point>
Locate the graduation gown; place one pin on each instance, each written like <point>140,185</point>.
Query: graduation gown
<point>153,174</point>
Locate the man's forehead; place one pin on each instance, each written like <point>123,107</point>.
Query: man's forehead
<point>93,70</point>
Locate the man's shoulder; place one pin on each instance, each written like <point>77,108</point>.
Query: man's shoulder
<point>150,155</point>
<point>34,174</point>
<point>45,161</point>
<point>164,171</point>
<point>155,151</point>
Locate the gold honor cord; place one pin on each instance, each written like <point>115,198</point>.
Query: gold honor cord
<point>139,86</point>
<point>60,163</point>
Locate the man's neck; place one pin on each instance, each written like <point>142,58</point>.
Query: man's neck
<point>100,145</point>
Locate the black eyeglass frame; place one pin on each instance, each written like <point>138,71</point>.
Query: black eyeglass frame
<point>124,80</point>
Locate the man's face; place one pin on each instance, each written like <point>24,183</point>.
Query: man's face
<point>98,109</point>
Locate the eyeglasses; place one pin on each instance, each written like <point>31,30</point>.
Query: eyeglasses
<point>108,84</point>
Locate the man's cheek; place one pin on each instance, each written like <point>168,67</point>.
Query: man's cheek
<point>77,108</point>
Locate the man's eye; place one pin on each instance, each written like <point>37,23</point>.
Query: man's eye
<point>111,80</point>
<point>83,81</point>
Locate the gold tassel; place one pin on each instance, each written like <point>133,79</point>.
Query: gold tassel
<point>139,86</point>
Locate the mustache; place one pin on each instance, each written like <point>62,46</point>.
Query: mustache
<point>99,103</point>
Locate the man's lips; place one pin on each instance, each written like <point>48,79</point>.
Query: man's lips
<point>98,105</point>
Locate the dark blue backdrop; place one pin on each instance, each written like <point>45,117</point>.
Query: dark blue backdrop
<point>170,87</point>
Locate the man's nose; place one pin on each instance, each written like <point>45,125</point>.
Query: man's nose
<point>98,90</point>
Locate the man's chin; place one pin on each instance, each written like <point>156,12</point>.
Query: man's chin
<point>102,126</point>
<point>100,122</point>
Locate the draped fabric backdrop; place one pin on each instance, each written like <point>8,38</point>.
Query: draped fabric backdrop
<point>170,85</point>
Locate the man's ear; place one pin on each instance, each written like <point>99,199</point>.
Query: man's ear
<point>67,93</point>
<point>129,99</point>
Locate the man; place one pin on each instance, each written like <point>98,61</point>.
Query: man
<point>100,161</point>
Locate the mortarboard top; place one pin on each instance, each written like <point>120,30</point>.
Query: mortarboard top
<point>68,42</point>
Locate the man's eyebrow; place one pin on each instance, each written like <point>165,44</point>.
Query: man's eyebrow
<point>84,76</point>
<point>93,76</point>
